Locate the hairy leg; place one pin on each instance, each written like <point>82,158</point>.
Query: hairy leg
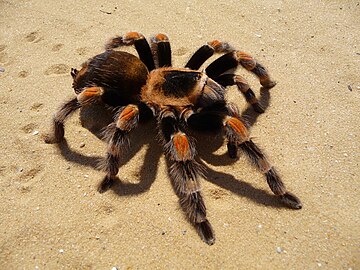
<point>160,46</point>
<point>238,135</point>
<point>116,134</point>
<point>184,172</point>
<point>88,96</point>
<point>141,45</point>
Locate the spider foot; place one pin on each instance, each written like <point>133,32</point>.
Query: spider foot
<point>291,200</point>
<point>57,135</point>
<point>50,139</point>
<point>268,84</point>
<point>105,184</point>
<point>206,232</point>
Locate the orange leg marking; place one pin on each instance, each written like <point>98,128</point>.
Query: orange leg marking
<point>161,37</point>
<point>132,36</point>
<point>238,127</point>
<point>182,147</point>
<point>90,95</point>
<point>126,117</point>
<point>219,47</point>
<point>246,60</point>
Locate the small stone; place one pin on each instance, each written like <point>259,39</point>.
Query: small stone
<point>61,251</point>
<point>114,268</point>
<point>82,145</point>
<point>279,250</point>
<point>35,132</point>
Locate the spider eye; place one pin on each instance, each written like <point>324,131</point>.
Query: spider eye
<point>180,83</point>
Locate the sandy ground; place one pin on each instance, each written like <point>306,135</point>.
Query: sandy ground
<point>52,217</point>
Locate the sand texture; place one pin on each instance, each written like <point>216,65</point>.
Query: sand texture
<point>52,216</point>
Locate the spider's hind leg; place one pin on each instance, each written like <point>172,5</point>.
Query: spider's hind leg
<point>58,121</point>
<point>87,96</point>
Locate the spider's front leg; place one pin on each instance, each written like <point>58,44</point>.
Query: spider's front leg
<point>116,134</point>
<point>184,171</point>
<point>238,136</point>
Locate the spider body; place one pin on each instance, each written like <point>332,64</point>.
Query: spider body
<point>179,99</point>
<point>119,73</point>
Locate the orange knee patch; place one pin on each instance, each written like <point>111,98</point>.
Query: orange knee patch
<point>219,46</point>
<point>246,60</point>
<point>216,44</point>
<point>181,147</point>
<point>127,116</point>
<point>236,125</point>
<point>161,37</point>
<point>89,95</point>
<point>133,36</point>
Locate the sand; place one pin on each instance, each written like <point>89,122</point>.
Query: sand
<point>52,216</point>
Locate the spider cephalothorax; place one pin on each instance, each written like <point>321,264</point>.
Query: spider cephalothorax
<point>179,98</point>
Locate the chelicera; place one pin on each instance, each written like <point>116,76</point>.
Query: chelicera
<point>180,99</point>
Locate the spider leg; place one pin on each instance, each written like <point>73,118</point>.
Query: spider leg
<point>141,45</point>
<point>184,171</point>
<point>162,49</point>
<point>58,131</point>
<point>87,96</point>
<point>243,86</point>
<point>206,51</point>
<point>239,136</point>
<point>232,59</point>
<point>116,134</point>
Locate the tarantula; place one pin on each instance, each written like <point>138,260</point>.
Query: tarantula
<point>179,98</point>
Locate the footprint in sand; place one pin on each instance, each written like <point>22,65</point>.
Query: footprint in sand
<point>82,51</point>
<point>29,128</point>
<point>57,47</point>
<point>36,106</point>
<point>4,57</point>
<point>57,69</point>
<point>34,37</point>
<point>181,51</point>
<point>28,178</point>
<point>23,74</point>
<point>218,193</point>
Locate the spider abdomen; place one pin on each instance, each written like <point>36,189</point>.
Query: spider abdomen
<point>121,74</point>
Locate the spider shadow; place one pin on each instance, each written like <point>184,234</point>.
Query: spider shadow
<point>207,146</point>
<point>139,138</point>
